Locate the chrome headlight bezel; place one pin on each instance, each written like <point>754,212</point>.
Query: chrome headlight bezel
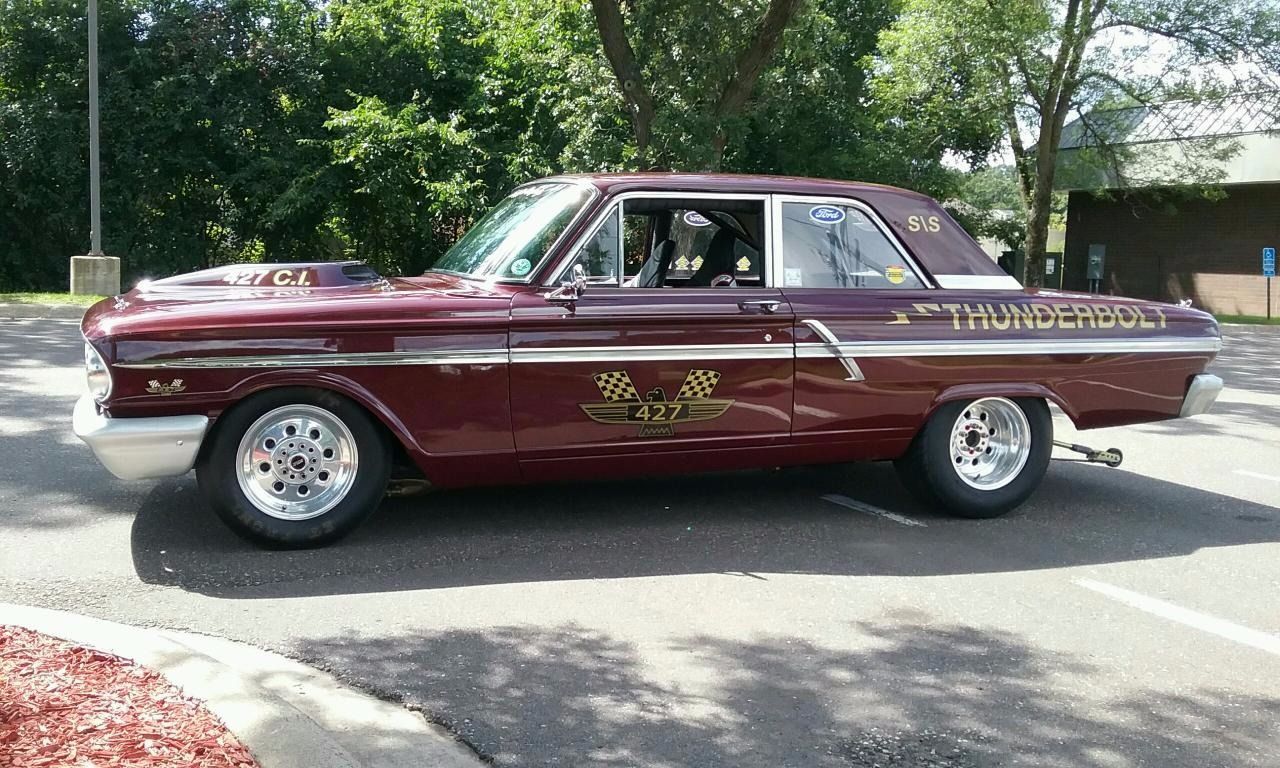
<point>96,373</point>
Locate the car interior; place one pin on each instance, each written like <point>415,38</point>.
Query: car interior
<point>676,243</point>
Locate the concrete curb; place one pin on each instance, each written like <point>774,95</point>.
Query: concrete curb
<point>289,715</point>
<point>20,311</point>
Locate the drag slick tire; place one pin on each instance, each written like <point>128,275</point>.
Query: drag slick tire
<point>979,458</point>
<point>292,468</point>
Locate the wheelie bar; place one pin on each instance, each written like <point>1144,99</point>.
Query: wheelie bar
<point>1111,457</point>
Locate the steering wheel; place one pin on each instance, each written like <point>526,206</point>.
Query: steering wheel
<point>720,281</point>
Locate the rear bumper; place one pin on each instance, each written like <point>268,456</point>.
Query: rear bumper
<point>1200,395</point>
<point>135,448</point>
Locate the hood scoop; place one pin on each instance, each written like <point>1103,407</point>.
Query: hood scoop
<point>252,280</point>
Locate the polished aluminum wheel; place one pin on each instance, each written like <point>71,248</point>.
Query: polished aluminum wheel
<point>990,443</point>
<point>297,462</point>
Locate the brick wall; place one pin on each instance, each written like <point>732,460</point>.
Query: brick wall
<point>1168,250</point>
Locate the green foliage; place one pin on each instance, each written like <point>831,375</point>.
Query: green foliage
<point>276,130</point>
<point>986,72</point>
<point>814,116</point>
<point>286,130</point>
<point>403,174</point>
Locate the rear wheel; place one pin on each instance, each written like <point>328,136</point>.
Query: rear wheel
<point>295,467</point>
<point>979,458</point>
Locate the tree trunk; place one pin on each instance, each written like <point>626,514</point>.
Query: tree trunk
<point>748,66</point>
<point>1033,248</point>
<point>622,59</point>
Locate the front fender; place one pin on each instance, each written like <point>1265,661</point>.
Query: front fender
<point>328,381</point>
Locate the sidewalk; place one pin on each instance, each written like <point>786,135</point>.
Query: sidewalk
<point>288,715</point>
<point>20,311</point>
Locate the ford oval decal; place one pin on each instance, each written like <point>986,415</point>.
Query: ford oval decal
<point>695,219</point>
<point>826,214</point>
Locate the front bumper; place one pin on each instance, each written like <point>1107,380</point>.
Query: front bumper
<point>134,448</point>
<point>1200,395</point>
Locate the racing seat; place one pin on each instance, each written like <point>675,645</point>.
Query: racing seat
<point>718,260</point>
<point>652,273</point>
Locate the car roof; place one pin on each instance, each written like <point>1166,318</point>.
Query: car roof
<point>614,183</point>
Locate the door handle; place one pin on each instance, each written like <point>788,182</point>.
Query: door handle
<point>767,306</point>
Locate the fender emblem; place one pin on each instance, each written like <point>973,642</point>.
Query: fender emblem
<point>156,388</point>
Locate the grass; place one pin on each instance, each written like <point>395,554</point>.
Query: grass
<point>1248,319</point>
<point>82,300</point>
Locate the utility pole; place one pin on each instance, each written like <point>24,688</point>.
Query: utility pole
<point>95,190</point>
<point>94,274</point>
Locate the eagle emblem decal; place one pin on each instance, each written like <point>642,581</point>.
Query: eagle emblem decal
<point>655,414</point>
<point>156,388</point>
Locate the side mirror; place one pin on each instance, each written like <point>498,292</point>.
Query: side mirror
<point>572,289</point>
<point>579,280</point>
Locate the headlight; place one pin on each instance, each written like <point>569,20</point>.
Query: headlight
<point>96,373</point>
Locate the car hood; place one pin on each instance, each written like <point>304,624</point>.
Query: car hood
<point>270,295</point>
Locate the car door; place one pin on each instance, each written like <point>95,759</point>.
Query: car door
<point>633,380</point>
<point>844,274</point>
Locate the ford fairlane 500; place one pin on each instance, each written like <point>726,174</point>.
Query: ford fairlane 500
<point>600,326</point>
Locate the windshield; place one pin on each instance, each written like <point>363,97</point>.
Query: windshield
<point>510,240</point>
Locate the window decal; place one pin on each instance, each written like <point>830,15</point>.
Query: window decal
<point>826,214</point>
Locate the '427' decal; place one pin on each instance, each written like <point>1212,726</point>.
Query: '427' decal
<point>655,414</point>
<point>264,276</point>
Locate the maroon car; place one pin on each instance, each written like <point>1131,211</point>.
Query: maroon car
<point>601,326</point>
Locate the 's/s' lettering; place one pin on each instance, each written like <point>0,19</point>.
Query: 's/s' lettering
<point>918,223</point>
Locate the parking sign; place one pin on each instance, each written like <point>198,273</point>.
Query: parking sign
<point>1268,262</point>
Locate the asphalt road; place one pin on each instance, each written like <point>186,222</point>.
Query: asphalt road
<point>1123,617</point>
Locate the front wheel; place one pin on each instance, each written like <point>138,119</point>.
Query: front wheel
<point>979,458</point>
<point>295,467</point>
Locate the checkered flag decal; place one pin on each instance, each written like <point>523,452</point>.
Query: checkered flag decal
<point>616,386</point>
<point>698,385</point>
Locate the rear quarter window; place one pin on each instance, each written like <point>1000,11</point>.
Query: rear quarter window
<point>839,246</point>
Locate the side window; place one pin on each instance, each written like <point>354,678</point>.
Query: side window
<point>664,243</point>
<point>599,255</point>
<point>693,233</point>
<point>636,229</point>
<point>837,246</point>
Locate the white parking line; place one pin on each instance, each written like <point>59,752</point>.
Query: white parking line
<point>1257,475</point>
<point>859,506</point>
<point>1201,621</point>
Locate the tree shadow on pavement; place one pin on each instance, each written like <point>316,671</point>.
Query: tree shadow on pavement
<point>752,522</point>
<point>41,343</point>
<point>1248,360</point>
<point>912,694</point>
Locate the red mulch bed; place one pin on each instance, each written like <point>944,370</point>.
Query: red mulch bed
<point>64,705</point>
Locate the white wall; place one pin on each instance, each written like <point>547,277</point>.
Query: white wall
<point>1256,159</point>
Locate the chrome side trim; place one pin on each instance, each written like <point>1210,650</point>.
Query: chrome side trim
<point>1201,394</point>
<point>333,360</point>
<point>672,352</point>
<point>829,347</point>
<point>976,347</point>
<point>979,282</point>
<point>136,448</point>
<point>832,343</point>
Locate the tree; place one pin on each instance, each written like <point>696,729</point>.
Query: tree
<point>1019,69</point>
<point>686,62</point>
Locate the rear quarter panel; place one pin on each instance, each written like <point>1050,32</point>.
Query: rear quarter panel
<point>900,391</point>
